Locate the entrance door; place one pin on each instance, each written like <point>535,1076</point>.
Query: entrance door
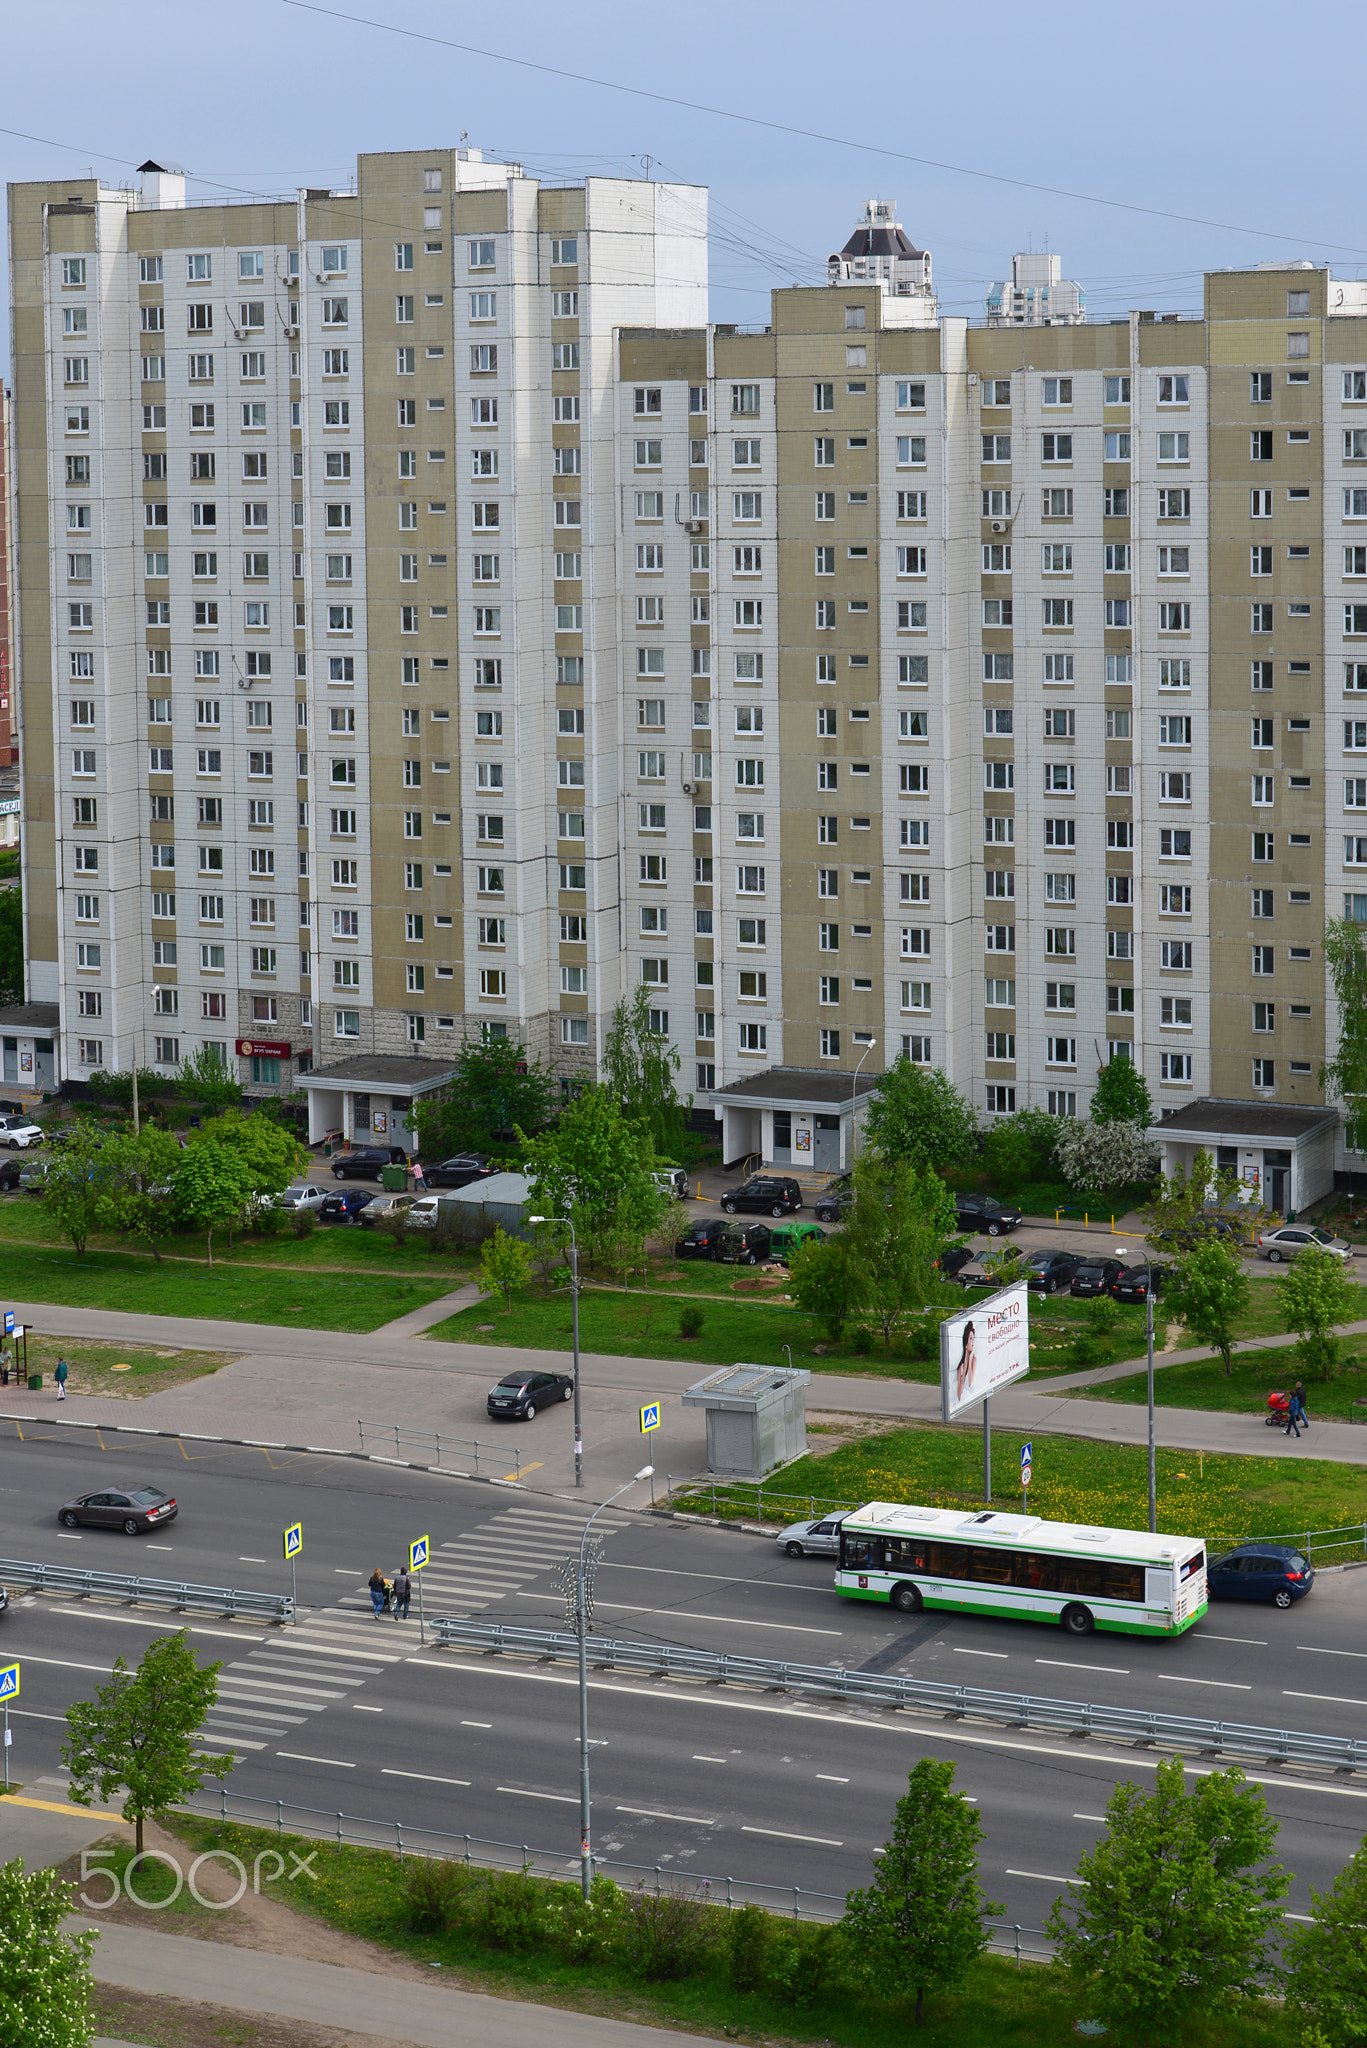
<point>1276,1179</point>
<point>826,1156</point>
<point>44,1069</point>
<point>11,1059</point>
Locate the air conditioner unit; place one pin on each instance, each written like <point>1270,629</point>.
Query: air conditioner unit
<point>696,525</point>
<point>999,526</point>
<point>292,333</point>
<point>689,788</point>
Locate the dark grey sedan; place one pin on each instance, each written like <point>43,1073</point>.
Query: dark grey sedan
<point>134,1509</point>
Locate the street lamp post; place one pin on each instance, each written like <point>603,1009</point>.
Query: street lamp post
<point>574,1317</point>
<point>854,1086</point>
<point>582,1626</point>
<point>1148,1333</point>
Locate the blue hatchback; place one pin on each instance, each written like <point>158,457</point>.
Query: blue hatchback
<point>1261,1571</point>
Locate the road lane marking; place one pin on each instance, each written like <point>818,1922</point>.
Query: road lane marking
<point>66,1536</point>
<point>358,1709</point>
<point>648,1813</point>
<point>520,1792</point>
<point>669,1571</point>
<point>1091,1816</point>
<point>782,1835</point>
<point>65,1663</point>
<point>1319,1651</point>
<point>297,1757</point>
<point>1045,1877</point>
<point>1330,1698</point>
<point>960,1651</point>
<point>251,1560</point>
<point>1252,1642</point>
<point>476,1724</point>
<point>711,1759</point>
<point>424,1777</point>
<point>164,1546</point>
<point>1224,1684</point>
<point>1092,1670</point>
<point>826,1778</point>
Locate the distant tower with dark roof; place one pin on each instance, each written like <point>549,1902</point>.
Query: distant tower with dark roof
<point>880,252</point>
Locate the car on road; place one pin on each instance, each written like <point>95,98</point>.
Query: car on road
<point>1135,1282</point>
<point>986,1213</point>
<point>344,1205</point>
<point>10,1172</point>
<point>1294,1238</point>
<point>134,1509</point>
<point>812,1539</point>
<point>518,1395</point>
<point>19,1132</point>
<point>699,1238</point>
<point>1095,1277</point>
<point>4,1598</point>
<point>1050,1272</point>
<point>1261,1571</point>
<point>367,1162</point>
<point>785,1238</point>
<point>767,1194</point>
<point>380,1206</point>
<point>307,1197</point>
<point>457,1172</point>
<point>742,1244</point>
<point>671,1181</point>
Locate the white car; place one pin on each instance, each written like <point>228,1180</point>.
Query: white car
<point>19,1132</point>
<point>1294,1238</point>
<point>307,1197</point>
<point>812,1539</point>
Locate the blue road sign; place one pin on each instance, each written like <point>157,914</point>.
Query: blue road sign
<point>419,1551</point>
<point>650,1417</point>
<point>9,1322</point>
<point>1027,1454</point>
<point>294,1539</point>
<point>9,1681</point>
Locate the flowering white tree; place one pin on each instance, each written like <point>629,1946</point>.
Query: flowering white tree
<point>1100,1157</point>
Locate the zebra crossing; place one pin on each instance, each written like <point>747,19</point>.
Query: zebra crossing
<point>497,1558</point>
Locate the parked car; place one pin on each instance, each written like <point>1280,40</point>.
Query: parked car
<point>10,1171</point>
<point>344,1205</point>
<point>1294,1238</point>
<point>960,1263</point>
<point>671,1180</point>
<point>457,1172</point>
<point>366,1162</point>
<point>1135,1282</point>
<point>33,1176</point>
<point>20,1131</point>
<point>768,1194</point>
<point>1261,1571</point>
<point>1197,1233</point>
<point>134,1509</point>
<point>1095,1277</point>
<point>699,1238</point>
<point>380,1206</point>
<point>741,1244</point>
<point>986,1213</point>
<point>308,1196</point>
<point>835,1201</point>
<point>812,1539</point>
<point>1050,1272</point>
<point>785,1238</point>
<point>426,1211</point>
<point>518,1395</point>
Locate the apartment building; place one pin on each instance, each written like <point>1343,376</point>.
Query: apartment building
<point>8,721</point>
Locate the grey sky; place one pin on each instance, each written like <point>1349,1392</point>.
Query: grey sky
<point>1224,111</point>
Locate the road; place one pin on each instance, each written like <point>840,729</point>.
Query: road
<point>348,1713</point>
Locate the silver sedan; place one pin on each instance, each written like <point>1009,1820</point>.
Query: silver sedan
<point>1294,1238</point>
<point>812,1539</point>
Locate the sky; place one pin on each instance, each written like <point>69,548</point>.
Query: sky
<point>1143,146</point>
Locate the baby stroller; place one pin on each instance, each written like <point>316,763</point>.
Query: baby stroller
<point>1278,1406</point>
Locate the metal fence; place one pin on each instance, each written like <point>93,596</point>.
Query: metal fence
<point>956,1702</point>
<point>138,1591</point>
<point>793,1902</point>
<point>435,1446</point>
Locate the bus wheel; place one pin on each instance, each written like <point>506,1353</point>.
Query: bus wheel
<point>906,1599</point>
<point>1076,1621</point>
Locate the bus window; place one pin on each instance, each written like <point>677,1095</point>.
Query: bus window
<point>1124,1581</point>
<point>905,1554</point>
<point>858,1553</point>
<point>992,1567</point>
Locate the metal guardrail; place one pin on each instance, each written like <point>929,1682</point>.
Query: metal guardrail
<point>1015,1710</point>
<point>1005,1937</point>
<point>434,1442</point>
<point>177,1593</point>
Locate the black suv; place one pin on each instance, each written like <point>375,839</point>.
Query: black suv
<point>767,1195</point>
<point>741,1244</point>
<point>1134,1283</point>
<point>457,1172</point>
<point>366,1162</point>
<point>698,1240</point>
<point>835,1198</point>
<point>985,1212</point>
<point>1051,1272</point>
<point>1095,1277</point>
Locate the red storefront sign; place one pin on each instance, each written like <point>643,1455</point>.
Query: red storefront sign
<point>267,1048</point>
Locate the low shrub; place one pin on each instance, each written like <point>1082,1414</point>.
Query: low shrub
<point>514,1915</point>
<point>304,1222</point>
<point>805,1964</point>
<point>691,1320</point>
<point>921,1339</point>
<point>861,1341</point>
<point>438,1895</point>
<point>668,1933</point>
<point>748,1940</point>
<point>268,1221</point>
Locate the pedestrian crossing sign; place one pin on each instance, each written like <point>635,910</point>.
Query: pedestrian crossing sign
<point>650,1417</point>
<point>9,1682</point>
<point>419,1550</point>
<point>294,1540</point>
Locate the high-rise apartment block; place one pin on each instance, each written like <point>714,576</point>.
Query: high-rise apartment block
<point>1038,295</point>
<point>433,627</point>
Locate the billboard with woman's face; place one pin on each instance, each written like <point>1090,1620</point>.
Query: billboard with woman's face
<point>984,1349</point>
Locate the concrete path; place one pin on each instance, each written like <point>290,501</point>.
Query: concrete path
<point>420,1320</point>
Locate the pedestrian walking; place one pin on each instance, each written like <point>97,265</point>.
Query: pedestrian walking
<point>1295,1412</point>
<point>60,1376</point>
<point>419,1178</point>
<point>378,1591</point>
<point>403,1593</point>
<point>1302,1414</point>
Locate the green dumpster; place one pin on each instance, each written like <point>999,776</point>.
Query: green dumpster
<point>35,1381</point>
<point>393,1179</point>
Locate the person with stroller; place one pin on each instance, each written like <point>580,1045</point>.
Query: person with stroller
<point>1295,1410</point>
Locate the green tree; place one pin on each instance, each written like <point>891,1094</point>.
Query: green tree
<point>213,1187</point>
<point>1345,1075</point>
<point>822,1283</point>
<point>118,1087</point>
<point>269,1152</point>
<point>1316,1295</point>
<point>44,1973</point>
<point>138,1734</point>
<point>895,1232</point>
<point>921,1117</point>
<point>1122,1096</point>
<point>205,1077</point>
<point>919,1926</point>
<point>505,1263</point>
<point>1209,1292</point>
<point>141,1169</point>
<point>594,1167</point>
<point>76,1190</point>
<point>11,946</point>
<point>1019,1149</point>
<point>1169,1918</point>
<point>1185,1205</point>
<point>639,1068</point>
<point>497,1089</point>
<point>1326,1962</point>
<point>1104,1157</point>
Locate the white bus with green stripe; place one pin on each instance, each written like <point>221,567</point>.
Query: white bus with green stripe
<point>1024,1567</point>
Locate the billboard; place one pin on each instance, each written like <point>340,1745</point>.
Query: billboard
<point>984,1349</point>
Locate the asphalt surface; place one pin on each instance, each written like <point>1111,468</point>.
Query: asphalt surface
<point>348,1713</point>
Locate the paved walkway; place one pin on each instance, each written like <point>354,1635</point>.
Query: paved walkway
<point>419,1320</point>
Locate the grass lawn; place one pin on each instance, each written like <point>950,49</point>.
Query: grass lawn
<point>1221,1498</point>
<point>516,1939</point>
<point>123,1369</point>
<point>1245,1390</point>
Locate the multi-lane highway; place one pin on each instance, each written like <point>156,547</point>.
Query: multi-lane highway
<point>344,1712</point>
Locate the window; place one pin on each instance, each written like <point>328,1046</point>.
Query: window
<point>996,447</point>
<point>1056,447</point>
<point>1057,391</point>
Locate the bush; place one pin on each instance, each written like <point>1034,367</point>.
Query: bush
<point>922,1338</point>
<point>691,1320</point>
<point>514,1911</point>
<point>268,1220</point>
<point>861,1343</point>
<point>748,1939</point>
<point>666,1934</point>
<point>1088,1349</point>
<point>805,1964</point>
<point>588,1928</point>
<point>304,1222</point>
<point>438,1895</point>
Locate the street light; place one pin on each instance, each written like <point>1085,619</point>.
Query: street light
<point>574,1314</point>
<point>1148,1328</point>
<point>854,1085</point>
<point>582,1625</point>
